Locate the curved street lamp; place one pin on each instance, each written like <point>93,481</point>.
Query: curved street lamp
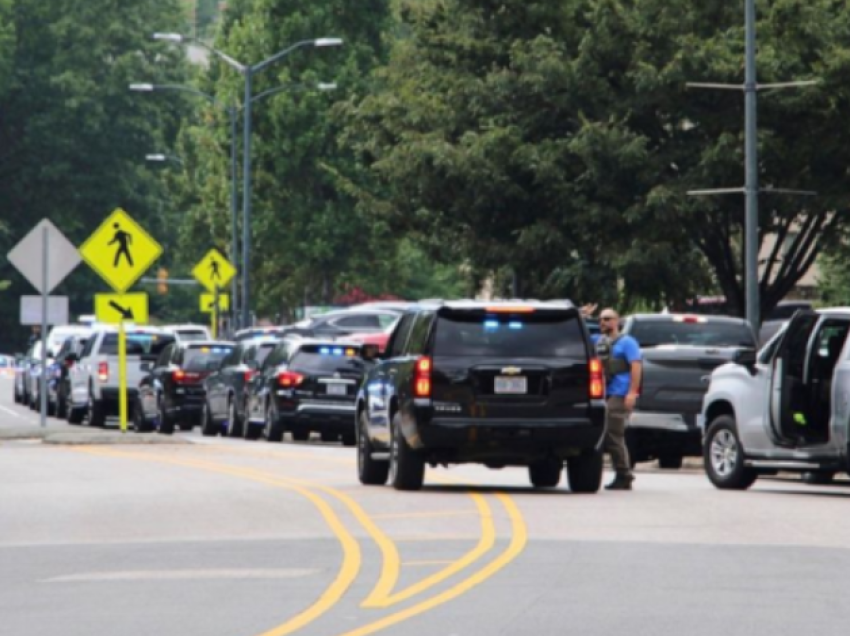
<point>247,72</point>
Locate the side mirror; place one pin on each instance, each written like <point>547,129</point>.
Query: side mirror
<point>746,358</point>
<point>370,352</point>
<point>146,367</point>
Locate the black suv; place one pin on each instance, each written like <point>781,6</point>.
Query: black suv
<point>496,383</point>
<point>308,385</point>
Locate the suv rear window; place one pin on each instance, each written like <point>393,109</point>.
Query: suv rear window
<point>542,334</point>
<point>205,357</point>
<point>328,359</point>
<point>137,343</point>
<point>700,334</point>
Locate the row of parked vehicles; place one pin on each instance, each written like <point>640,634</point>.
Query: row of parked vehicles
<point>502,384</point>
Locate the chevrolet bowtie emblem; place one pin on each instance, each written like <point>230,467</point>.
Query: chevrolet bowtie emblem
<point>511,370</point>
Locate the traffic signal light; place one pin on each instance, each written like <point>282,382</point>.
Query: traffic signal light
<point>162,281</point>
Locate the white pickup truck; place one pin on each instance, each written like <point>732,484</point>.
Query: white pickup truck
<point>786,408</point>
<point>94,377</point>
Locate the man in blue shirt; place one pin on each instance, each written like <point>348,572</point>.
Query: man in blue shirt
<point>621,359</point>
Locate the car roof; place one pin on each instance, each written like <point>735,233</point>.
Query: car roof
<point>503,304</point>
<point>732,320</point>
<point>195,344</point>
<point>326,342</point>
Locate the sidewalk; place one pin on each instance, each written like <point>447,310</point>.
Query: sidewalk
<point>61,433</point>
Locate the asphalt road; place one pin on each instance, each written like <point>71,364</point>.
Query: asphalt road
<point>234,538</point>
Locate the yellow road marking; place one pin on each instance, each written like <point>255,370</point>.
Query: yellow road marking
<point>435,513</point>
<point>485,543</point>
<point>519,539</point>
<point>351,549</point>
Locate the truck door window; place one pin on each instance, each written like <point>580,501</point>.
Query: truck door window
<point>418,340</point>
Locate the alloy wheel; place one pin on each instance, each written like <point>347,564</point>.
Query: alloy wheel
<point>724,453</point>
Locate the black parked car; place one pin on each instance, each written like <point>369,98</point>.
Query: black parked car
<point>172,392</point>
<point>227,389</point>
<point>58,380</point>
<point>308,385</point>
<point>500,384</point>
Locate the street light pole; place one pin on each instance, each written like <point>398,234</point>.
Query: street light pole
<point>246,202</point>
<point>247,71</point>
<point>751,177</point>
<point>234,177</point>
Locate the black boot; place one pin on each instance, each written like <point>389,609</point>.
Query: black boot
<point>621,482</point>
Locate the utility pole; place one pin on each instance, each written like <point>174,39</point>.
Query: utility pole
<point>751,190</point>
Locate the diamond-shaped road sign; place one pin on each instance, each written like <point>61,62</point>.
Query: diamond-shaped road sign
<point>29,256</point>
<point>208,302</point>
<point>120,250</point>
<point>214,270</point>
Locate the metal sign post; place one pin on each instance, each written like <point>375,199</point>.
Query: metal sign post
<point>45,243</point>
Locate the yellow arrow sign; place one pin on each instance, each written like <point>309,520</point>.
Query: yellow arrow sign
<point>114,309</point>
<point>208,302</point>
<point>214,270</point>
<point>120,250</point>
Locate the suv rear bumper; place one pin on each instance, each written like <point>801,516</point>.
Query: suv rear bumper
<point>321,416</point>
<point>651,435</point>
<point>508,441</point>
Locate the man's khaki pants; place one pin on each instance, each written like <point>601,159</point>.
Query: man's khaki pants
<point>615,437</point>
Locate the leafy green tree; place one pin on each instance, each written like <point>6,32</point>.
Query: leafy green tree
<point>558,141</point>
<point>72,136</point>
<point>309,237</point>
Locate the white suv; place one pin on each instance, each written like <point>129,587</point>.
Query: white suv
<point>786,408</point>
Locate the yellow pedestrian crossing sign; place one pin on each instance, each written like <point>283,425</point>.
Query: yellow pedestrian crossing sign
<point>120,250</point>
<point>114,309</point>
<point>208,302</point>
<point>214,270</point>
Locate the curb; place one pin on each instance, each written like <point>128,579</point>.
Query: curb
<point>75,437</point>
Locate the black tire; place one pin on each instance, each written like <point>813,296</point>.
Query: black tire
<point>301,434</point>
<point>166,421</point>
<point>370,471</point>
<point>234,422</point>
<point>16,394</point>
<point>140,424</point>
<point>546,473</point>
<point>208,427</point>
<point>349,439</point>
<point>273,426</point>
<point>818,477</point>
<point>670,461</point>
<point>51,408</point>
<point>61,407</point>
<point>96,413</point>
<point>75,415</point>
<point>407,467</point>
<point>724,457</point>
<point>250,431</point>
<point>584,473</point>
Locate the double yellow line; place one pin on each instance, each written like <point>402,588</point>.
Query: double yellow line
<point>382,595</point>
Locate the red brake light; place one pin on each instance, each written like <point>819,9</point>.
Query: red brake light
<point>289,379</point>
<point>103,371</point>
<point>179,376</point>
<point>248,376</point>
<point>422,378</point>
<point>597,380</point>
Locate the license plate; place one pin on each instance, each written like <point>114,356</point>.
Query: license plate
<point>337,389</point>
<point>511,385</point>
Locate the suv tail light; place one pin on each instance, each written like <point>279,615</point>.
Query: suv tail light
<point>289,379</point>
<point>179,376</point>
<point>103,371</point>
<point>422,378</point>
<point>247,376</point>
<point>597,380</point>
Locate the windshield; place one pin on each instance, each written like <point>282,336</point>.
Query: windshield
<point>138,343</point>
<point>534,335</point>
<point>205,358</point>
<point>699,334</point>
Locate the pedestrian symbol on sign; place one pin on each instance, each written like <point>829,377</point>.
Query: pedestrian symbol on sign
<point>214,273</point>
<point>124,240</point>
